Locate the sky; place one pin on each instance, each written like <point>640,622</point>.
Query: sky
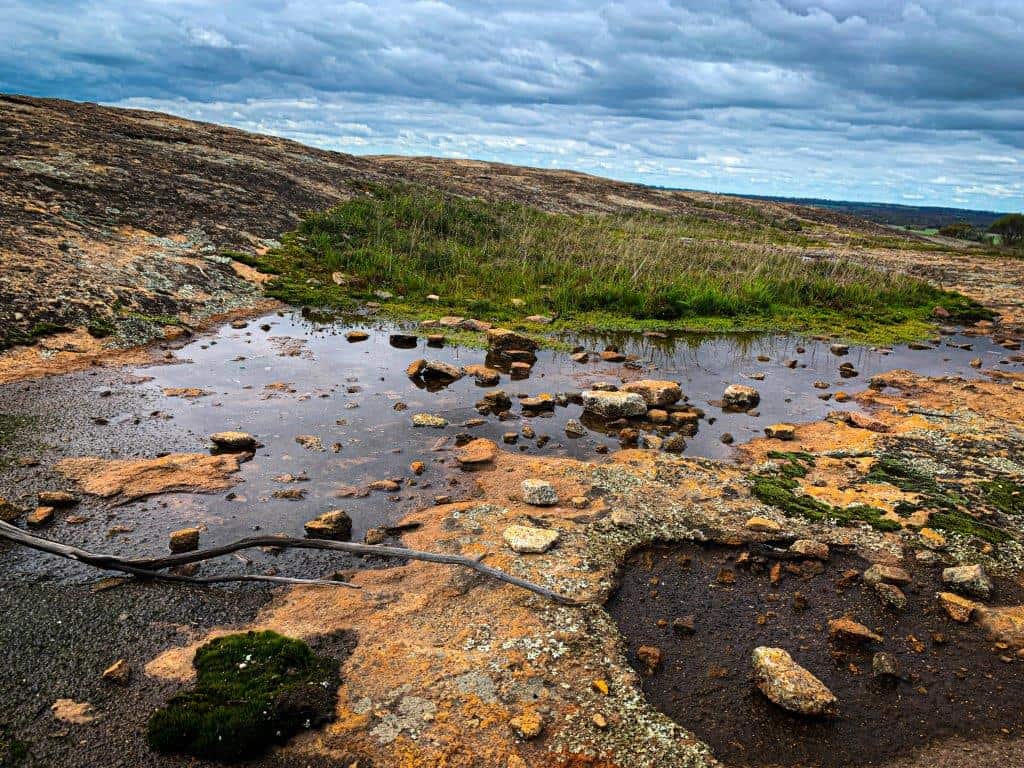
<point>920,103</point>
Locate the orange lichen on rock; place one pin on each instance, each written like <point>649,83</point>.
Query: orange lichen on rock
<point>125,480</point>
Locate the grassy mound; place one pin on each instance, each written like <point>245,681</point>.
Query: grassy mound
<point>253,691</point>
<point>504,260</point>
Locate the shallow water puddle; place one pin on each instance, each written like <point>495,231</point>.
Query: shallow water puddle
<point>952,682</point>
<point>300,378</point>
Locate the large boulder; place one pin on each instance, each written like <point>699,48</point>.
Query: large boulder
<point>790,686</point>
<point>614,405</point>
<point>655,393</point>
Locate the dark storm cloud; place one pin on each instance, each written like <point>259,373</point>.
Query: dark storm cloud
<point>868,99</point>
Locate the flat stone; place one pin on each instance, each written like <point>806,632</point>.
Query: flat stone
<point>545,401</point>
<point>763,525</point>
<point>889,574</point>
<point>654,392</point>
<point>527,540</point>
<point>429,420</point>
<point>623,518</point>
<point>790,686</point>
<point>539,493</point>
<point>57,499</point>
<point>335,525</point>
<point>780,432</point>
<point>848,630</point>
<point>740,397</point>
<point>968,580</point>
<point>959,609</point>
<point>840,349</point>
<point>479,451</point>
<point>817,550</point>
<point>184,540</point>
<point>863,421</point>
<point>39,517</point>
<point>614,405</point>
<point>233,441</point>
<point>450,321</point>
<point>353,336</point>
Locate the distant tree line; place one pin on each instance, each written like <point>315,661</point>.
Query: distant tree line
<point>1009,229</point>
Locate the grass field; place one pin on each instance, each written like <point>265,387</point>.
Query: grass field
<point>504,261</point>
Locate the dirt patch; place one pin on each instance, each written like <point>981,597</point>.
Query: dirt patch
<point>952,682</point>
<point>126,480</point>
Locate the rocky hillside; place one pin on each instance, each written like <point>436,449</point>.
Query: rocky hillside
<point>116,214</point>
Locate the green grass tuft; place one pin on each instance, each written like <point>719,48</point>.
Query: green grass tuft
<point>684,270</point>
<point>252,691</point>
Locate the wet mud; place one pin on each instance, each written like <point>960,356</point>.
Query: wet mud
<point>953,682</point>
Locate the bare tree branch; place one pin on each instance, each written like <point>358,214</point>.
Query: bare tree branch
<point>150,568</point>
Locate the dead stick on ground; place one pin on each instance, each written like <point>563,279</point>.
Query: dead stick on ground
<point>150,568</point>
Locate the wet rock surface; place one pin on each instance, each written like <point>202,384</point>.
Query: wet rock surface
<point>283,381</point>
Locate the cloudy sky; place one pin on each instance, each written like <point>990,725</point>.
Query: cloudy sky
<point>908,102</point>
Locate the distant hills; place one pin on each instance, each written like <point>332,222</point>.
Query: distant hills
<point>910,216</point>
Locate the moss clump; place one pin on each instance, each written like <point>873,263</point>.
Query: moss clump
<point>1005,495</point>
<point>781,490</point>
<point>962,524</point>
<point>252,691</point>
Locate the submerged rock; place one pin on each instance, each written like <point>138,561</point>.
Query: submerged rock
<point>790,686</point>
<point>502,339</point>
<point>429,420</point>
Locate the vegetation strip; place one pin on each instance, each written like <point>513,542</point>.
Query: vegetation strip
<point>506,261</point>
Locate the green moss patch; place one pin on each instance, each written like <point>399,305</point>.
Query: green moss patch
<point>1005,495</point>
<point>252,691</point>
<point>780,488</point>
